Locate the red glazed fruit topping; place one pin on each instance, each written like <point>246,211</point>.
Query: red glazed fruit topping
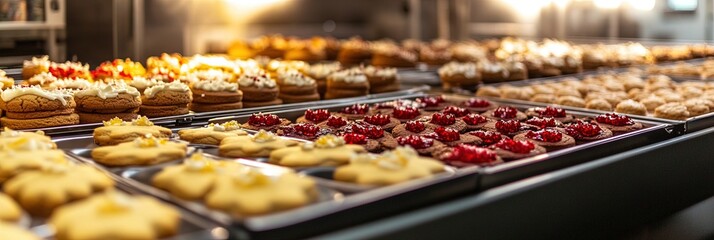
<point>415,141</point>
<point>474,119</point>
<point>476,103</point>
<point>471,154</point>
<point>379,119</point>
<point>511,145</point>
<point>356,109</point>
<point>443,119</point>
<point>317,116</point>
<point>456,111</point>
<point>550,112</point>
<point>335,121</point>
<point>488,138</point>
<point>355,138</point>
<point>415,126</point>
<point>444,134</point>
<point>505,112</point>
<point>431,101</point>
<point>405,112</point>
<point>583,129</point>
<point>614,119</point>
<point>508,126</point>
<point>545,135</point>
<point>370,131</point>
<point>302,129</point>
<point>542,122</point>
<point>263,120</point>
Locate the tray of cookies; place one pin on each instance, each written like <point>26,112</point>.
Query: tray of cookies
<point>685,103</point>
<point>258,182</point>
<point>47,194</point>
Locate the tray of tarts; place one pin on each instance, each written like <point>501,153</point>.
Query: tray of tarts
<point>685,103</point>
<point>49,194</point>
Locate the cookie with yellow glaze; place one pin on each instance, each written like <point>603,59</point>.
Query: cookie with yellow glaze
<point>251,192</point>
<point>212,134</point>
<point>260,144</point>
<point>11,212</point>
<point>14,232</point>
<point>40,192</point>
<point>328,150</point>
<point>117,131</point>
<point>147,150</point>
<point>115,215</point>
<point>24,154</point>
<point>9,135</point>
<point>399,165</point>
<point>193,179</point>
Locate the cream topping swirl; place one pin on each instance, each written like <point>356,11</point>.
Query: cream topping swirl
<point>215,86</point>
<point>380,72</point>
<point>110,89</point>
<point>295,78</point>
<point>259,81</point>
<point>42,78</point>
<point>43,61</point>
<point>174,86</point>
<point>352,75</point>
<point>16,91</point>
<point>469,70</point>
<point>142,82</point>
<point>78,83</point>
<point>321,71</point>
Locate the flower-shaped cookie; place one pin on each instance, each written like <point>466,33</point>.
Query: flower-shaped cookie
<point>251,192</point>
<point>11,136</point>
<point>114,215</point>
<point>146,150</point>
<point>24,154</point>
<point>328,150</point>
<point>116,131</point>
<point>401,164</point>
<point>11,212</point>
<point>194,178</point>
<point>259,145</point>
<point>14,232</point>
<point>212,134</point>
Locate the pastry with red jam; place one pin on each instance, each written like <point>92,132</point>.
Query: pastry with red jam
<point>451,137</point>
<point>315,116</point>
<point>307,131</point>
<point>423,145</point>
<point>477,105</point>
<point>463,155</point>
<point>550,139</point>
<point>508,127</point>
<point>474,121</point>
<point>445,120</point>
<point>369,144</point>
<point>456,111</point>
<point>488,138</point>
<point>510,149</point>
<point>267,122</point>
<point>382,120</point>
<point>413,127</point>
<point>617,123</point>
<point>334,123</point>
<point>544,122</point>
<point>551,112</point>
<point>355,112</point>
<point>505,113</point>
<point>404,114</point>
<point>587,131</point>
<point>385,139</point>
<point>433,103</point>
<point>388,107</point>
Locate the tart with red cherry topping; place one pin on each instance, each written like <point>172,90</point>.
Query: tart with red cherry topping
<point>334,123</point>
<point>385,139</point>
<point>423,145</point>
<point>440,119</point>
<point>456,111</point>
<point>370,145</point>
<point>505,112</point>
<point>550,112</point>
<point>544,122</point>
<point>587,131</point>
<point>474,121</point>
<point>267,122</point>
<point>355,112</point>
<point>388,107</point>
<point>314,116</point>
<point>382,120</point>
<point>488,138</point>
<point>432,103</point>
<point>414,127</point>
<point>404,114</point>
<point>550,139</point>
<point>617,123</point>
<point>508,127</point>
<point>307,131</point>
<point>477,105</point>
<point>516,149</point>
<point>463,155</point>
<point>451,137</point>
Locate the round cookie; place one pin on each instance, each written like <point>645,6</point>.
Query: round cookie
<point>100,117</point>
<point>165,98</point>
<point>200,107</point>
<point>34,103</point>
<point>262,104</point>
<point>39,114</point>
<point>59,120</point>
<point>121,103</point>
<point>202,96</point>
<point>140,151</point>
<point>163,111</point>
<point>117,131</point>
<point>212,134</point>
<point>399,165</point>
<point>298,90</point>
<point>195,178</point>
<point>253,94</point>
<point>15,232</point>
<point>291,98</point>
<point>385,88</point>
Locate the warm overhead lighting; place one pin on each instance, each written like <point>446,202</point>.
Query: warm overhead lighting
<point>644,5</point>
<point>609,4</point>
<point>527,7</point>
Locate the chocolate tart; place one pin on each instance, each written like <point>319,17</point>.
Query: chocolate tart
<point>423,145</point>
<point>267,122</point>
<point>511,149</point>
<point>552,112</point>
<point>587,131</point>
<point>505,112</point>
<point>617,123</point>
<point>411,128</point>
<point>550,139</point>
<point>451,137</point>
<point>463,155</point>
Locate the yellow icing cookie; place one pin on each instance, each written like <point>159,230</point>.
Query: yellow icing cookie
<point>328,150</point>
<point>115,215</point>
<point>194,178</point>
<point>145,150</point>
<point>10,210</point>
<point>401,164</point>
<point>259,145</point>
<point>212,134</point>
<point>14,232</point>
<point>116,131</point>
<point>13,163</point>
<point>9,136</point>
